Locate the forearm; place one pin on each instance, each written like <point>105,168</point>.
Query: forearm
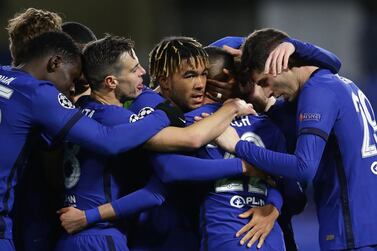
<point>301,166</point>
<point>117,139</point>
<point>153,194</point>
<point>175,168</point>
<point>316,55</point>
<point>274,198</point>
<point>196,135</point>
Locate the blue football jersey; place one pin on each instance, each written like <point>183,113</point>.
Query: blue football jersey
<point>90,180</point>
<point>28,105</point>
<point>334,108</point>
<point>22,100</point>
<point>232,196</point>
<point>336,148</point>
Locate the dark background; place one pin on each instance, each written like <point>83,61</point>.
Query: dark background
<point>347,28</point>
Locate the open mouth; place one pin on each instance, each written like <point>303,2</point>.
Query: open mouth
<point>198,98</point>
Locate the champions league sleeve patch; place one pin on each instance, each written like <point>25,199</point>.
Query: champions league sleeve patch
<point>65,102</point>
<point>142,113</point>
<point>307,116</point>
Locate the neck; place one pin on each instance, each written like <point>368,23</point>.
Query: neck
<point>105,97</point>
<point>304,74</point>
<point>31,69</point>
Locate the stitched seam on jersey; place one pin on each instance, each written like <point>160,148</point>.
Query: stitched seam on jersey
<point>314,131</point>
<point>64,131</point>
<point>344,196</point>
<point>110,243</point>
<point>107,183</point>
<point>204,228</point>
<point>20,161</point>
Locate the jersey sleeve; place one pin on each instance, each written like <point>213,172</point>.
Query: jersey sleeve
<point>231,41</point>
<point>52,110</point>
<point>317,111</point>
<point>52,114</point>
<point>274,197</point>
<point>301,166</point>
<point>176,167</point>
<point>316,55</point>
<point>148,99</point>
<point>153,194</point>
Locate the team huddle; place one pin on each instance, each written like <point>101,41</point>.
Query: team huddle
<point>213,154</point>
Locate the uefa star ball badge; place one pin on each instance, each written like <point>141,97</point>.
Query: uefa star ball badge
<point>65,102</point>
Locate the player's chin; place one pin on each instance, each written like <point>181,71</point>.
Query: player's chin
<point>195,106</point>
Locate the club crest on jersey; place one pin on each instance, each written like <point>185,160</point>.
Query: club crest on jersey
<point>65,102</point>
<point>309,116</point>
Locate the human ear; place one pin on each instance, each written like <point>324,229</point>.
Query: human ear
<point>110,82</point>
<point>54,63</point>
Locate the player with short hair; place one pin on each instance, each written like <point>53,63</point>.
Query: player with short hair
<point>29,105</point>
<point>115,75</point>
<point>28,24</point>
<point>330,108</point>
<point>82,35</point>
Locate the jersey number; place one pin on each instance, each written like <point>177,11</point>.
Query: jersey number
<point>365,110</point>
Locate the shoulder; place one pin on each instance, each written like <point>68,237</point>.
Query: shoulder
<point>111,115</point>
<point>148,98</point>
<point>207,108</point>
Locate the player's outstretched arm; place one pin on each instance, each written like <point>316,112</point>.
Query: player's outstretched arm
<point>177,167</point>
<point>55,116</point>
<point>198,134</point>
<point>153,194</point>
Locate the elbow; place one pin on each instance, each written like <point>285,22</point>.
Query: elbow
<point>307,171</point>
<point>164,174</point>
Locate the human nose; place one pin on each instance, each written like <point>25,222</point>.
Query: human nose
<point>200,82</point>
<point>142,71</point>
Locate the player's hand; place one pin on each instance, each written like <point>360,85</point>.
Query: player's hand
<point>202,116</point>
<point>221,90</point>
<point>260,225</point>
<point>72,219</point>
<point>242,107</point>
<point>278,59</point>
<point>228,140</point>
<point>233,51</point>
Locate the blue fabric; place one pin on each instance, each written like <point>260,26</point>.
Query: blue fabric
<point>231,41</point>
<point>92,215</point>
<point>344,173</point>
<point>6,245</point>
<point>94,239</point>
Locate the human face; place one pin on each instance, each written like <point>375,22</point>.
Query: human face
<point>65,75</point>
<point>130,79</point>
<point>284,85</point>
<point>185,88</point>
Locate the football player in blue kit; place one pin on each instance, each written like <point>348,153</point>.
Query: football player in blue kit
<point>37,226</point>
<point>280,112</point>
<point>114,75</point>
<point>151,99</point>
<point>29,105</point>
<point>336,145</point>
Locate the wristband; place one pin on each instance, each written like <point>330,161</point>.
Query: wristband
<point>92,216</point>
